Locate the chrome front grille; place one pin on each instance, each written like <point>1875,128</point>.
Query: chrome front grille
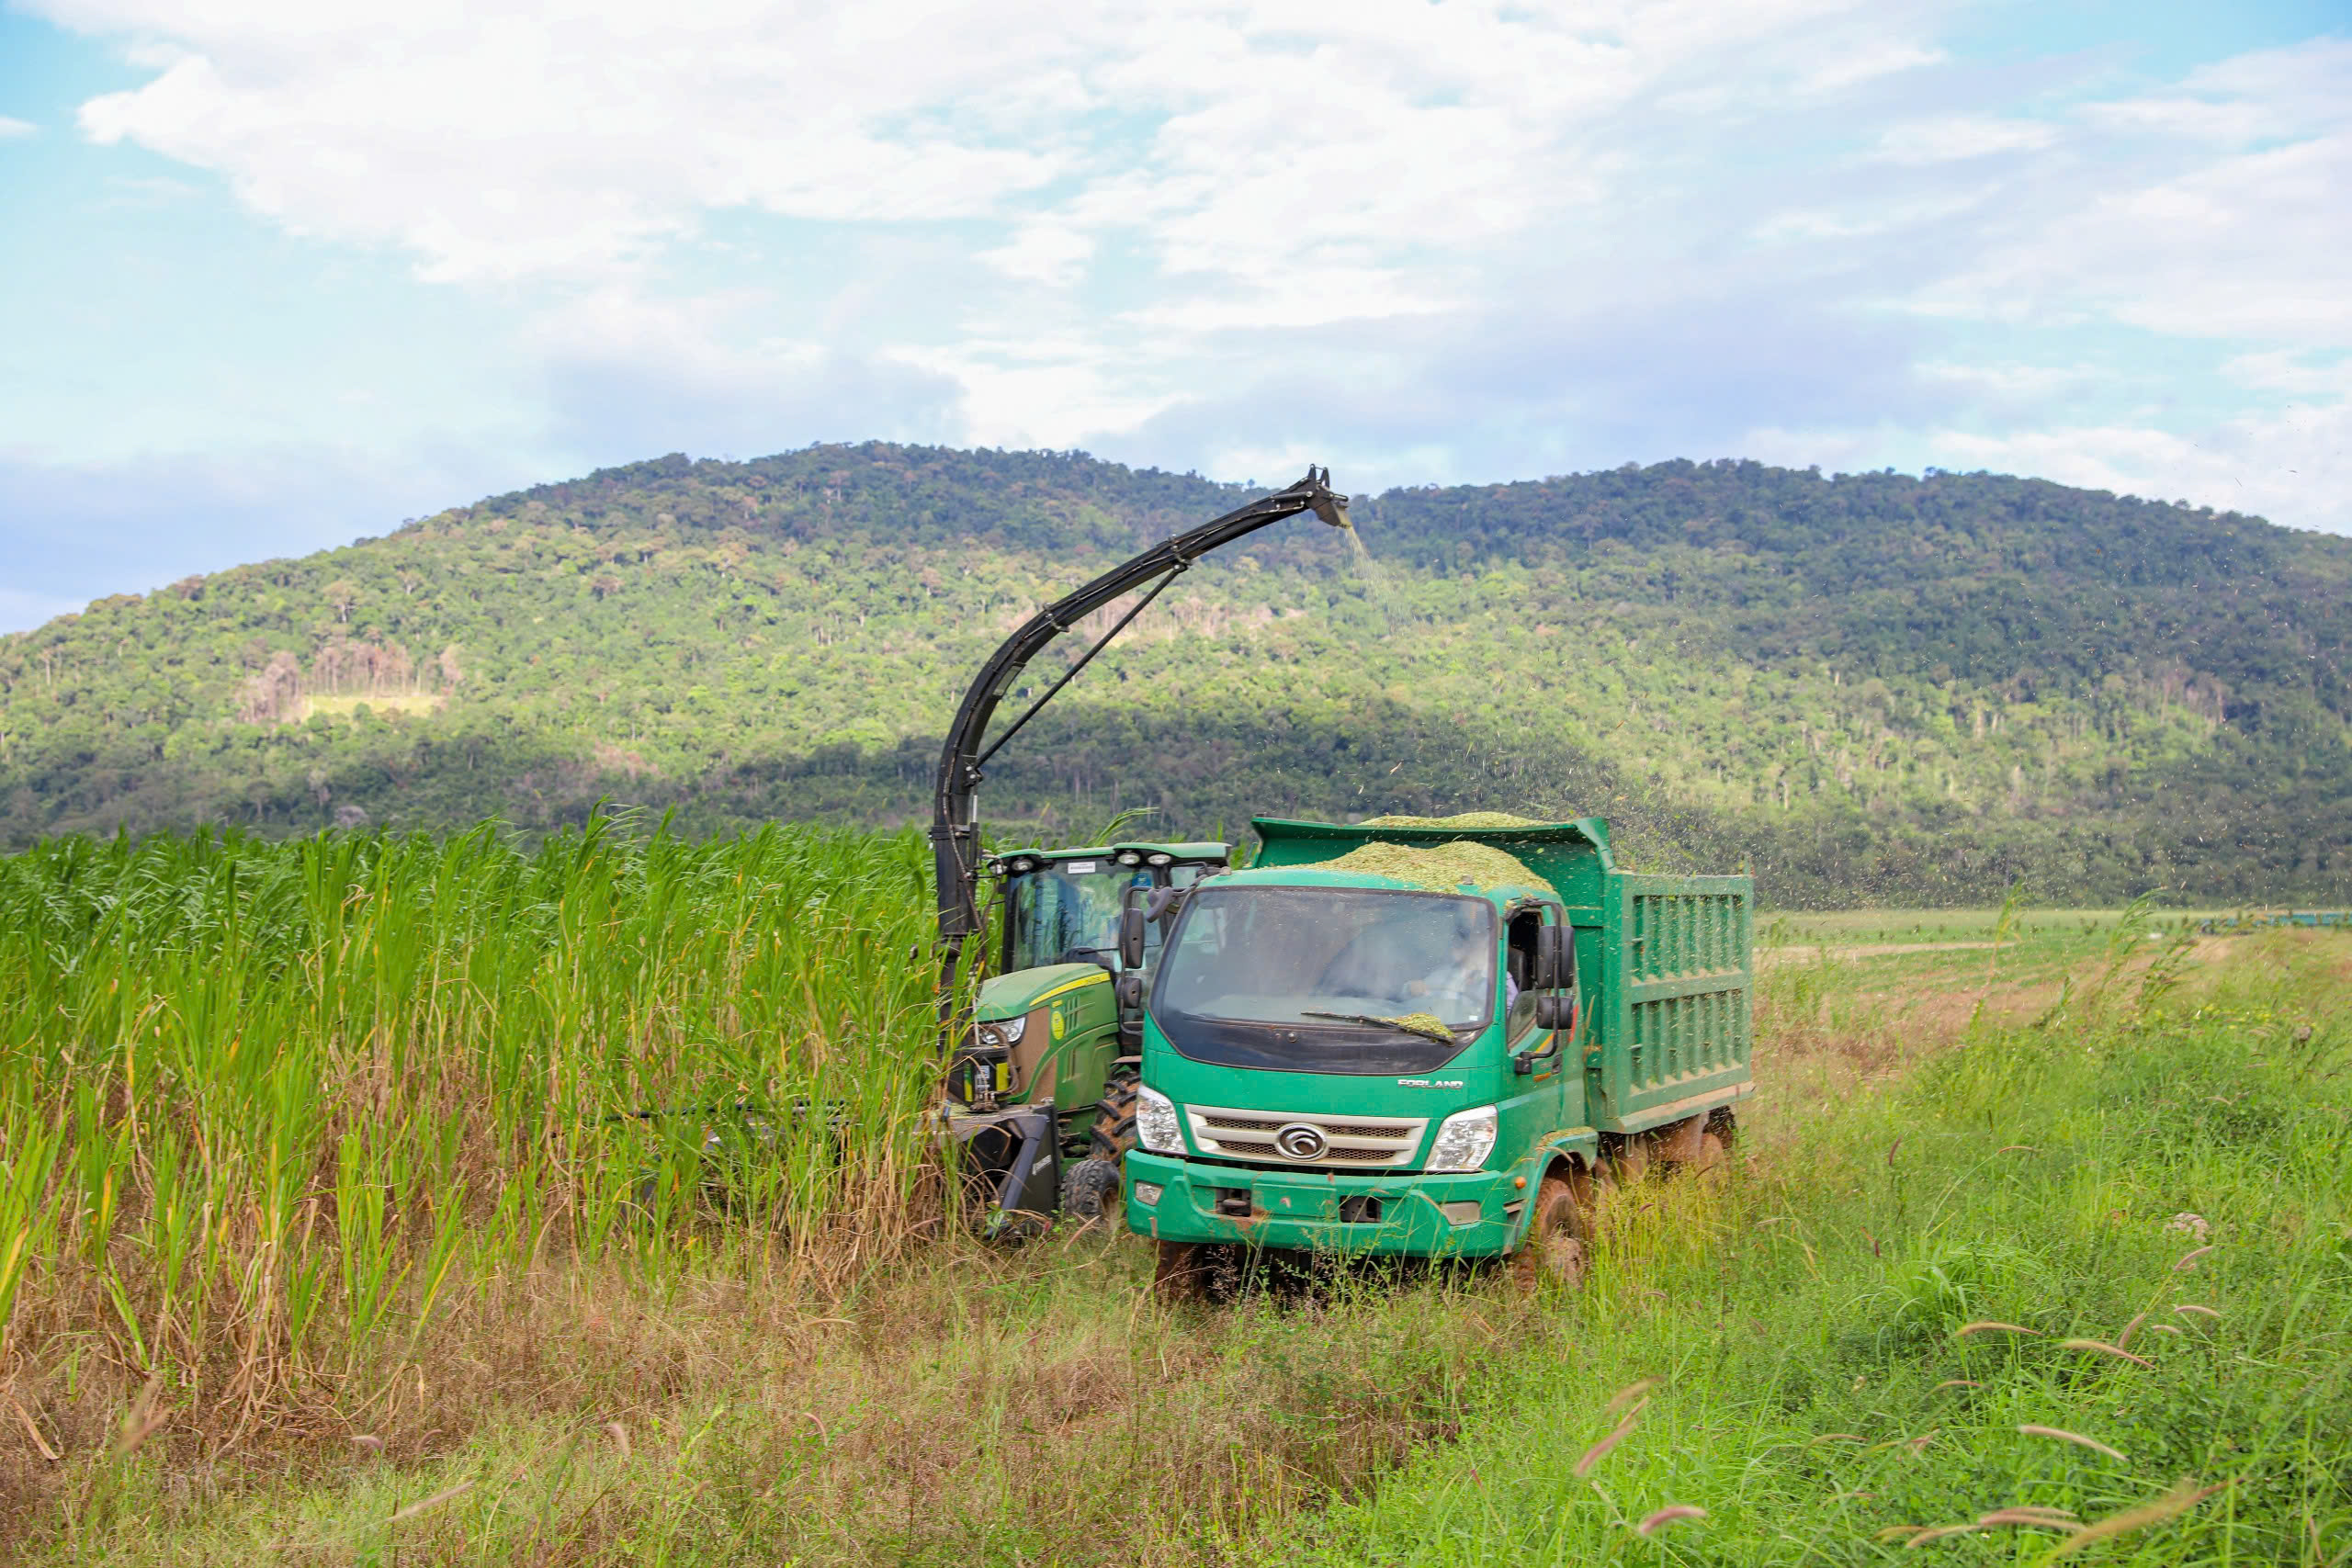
<point>1353,1142</point>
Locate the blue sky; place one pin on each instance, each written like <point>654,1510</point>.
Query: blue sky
<point>277,276</point>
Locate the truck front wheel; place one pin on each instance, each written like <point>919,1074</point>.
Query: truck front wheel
<point>1554,1251</point>
<point>1181,1272</point>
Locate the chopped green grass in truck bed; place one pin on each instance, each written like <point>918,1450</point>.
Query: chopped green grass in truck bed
<point>1466,819</point>
<point>1442,868</point>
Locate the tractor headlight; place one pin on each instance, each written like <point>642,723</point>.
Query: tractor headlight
<point>1129,857</point>
<point>1157,1127</point>
<point>1005,1031</point>
<point>1463,1140</point>
<point>1162,859</point>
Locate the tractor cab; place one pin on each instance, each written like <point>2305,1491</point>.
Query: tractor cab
<point>1063,905</point>
<point>1044,1055</point>
<point>1046,1022</point>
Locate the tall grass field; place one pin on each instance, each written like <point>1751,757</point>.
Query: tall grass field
<point>367,1199</point>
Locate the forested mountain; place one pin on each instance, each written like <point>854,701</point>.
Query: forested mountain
<point>1869,686</point>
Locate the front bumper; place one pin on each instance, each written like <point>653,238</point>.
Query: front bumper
<point>1301,1210</point>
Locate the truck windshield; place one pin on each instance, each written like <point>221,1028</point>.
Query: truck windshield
<point>1068,913</point>
<point>1253,968</point>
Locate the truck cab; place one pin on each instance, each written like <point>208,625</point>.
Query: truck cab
<point>1428,1039</point>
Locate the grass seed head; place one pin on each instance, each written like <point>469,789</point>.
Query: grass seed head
<point>2032,1430</point>
<point>1630,1392</point>
<point>1599,1450</point>
<point>427,1505</point>
<point>2184,1495</point>
<point>1673,1513</point>
<point>1985,1325</point>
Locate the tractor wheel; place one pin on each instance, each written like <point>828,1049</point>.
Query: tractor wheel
<point>1091,1190</point>
<point>1114,1117</point>
<point>1554,1251</point>
<point>1181,1272</point>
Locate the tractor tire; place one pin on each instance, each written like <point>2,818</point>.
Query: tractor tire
<point>1094,1185</point>
<point>1180,1274</point>
<point>1092,1190</point>
<point>1114,1117</point>
<point>1554,1251</point>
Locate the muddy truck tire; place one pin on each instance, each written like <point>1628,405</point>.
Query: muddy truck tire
<point>1181,1273</point>
<point>1555,1252</point>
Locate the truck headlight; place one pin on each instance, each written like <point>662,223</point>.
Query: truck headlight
<point>1005,1031</point>
<point>1158,1128</point>
<point>1463,1140</point>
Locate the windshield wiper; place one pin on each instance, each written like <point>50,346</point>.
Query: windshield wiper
<point>1428,1025</point>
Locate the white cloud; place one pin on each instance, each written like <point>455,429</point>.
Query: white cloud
<point>1441,240</point>
<point>1871,62</point>
<point>1955,136</point>
<point>2289,466</point>
<point>2247,242</point>
<point>10,126</point>
<point>1240,140</point>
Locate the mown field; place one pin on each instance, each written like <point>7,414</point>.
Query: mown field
<point>330,1233</point>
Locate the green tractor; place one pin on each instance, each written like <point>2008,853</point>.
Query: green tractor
<point>1041,1060</point>
<point>1048,1037</point>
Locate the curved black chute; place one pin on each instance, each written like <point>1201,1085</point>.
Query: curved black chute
<point>955,827</point>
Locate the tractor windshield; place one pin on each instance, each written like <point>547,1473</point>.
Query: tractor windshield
<point>1068,913</point>
<point>1306,977</point>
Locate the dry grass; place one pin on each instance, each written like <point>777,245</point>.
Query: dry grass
<point>968,1404</point>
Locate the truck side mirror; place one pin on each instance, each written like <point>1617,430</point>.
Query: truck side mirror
<point>1555,959</point>
<point>1555,1010</point>
<point>1131,934</point>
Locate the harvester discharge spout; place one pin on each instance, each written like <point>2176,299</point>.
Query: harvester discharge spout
<point>1026,1174</point>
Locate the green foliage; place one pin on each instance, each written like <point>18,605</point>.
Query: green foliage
<point>1867,687</point>
<point>261,1100</point>
<point>1873,1330</point>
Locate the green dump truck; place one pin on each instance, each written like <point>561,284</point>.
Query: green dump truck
<point>1429,1038</point>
